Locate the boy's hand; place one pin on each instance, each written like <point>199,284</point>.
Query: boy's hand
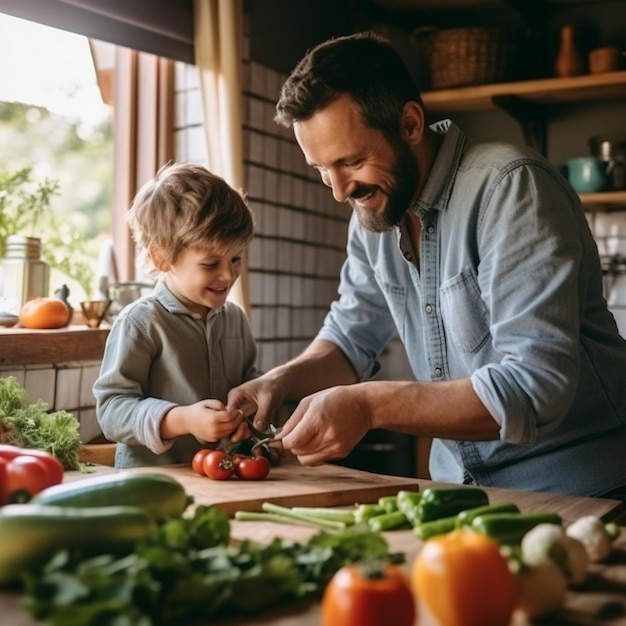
<point>208,420</point>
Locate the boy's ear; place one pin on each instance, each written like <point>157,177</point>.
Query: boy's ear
<point>157,258</point>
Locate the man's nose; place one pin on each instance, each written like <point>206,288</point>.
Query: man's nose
<point>340,185</point>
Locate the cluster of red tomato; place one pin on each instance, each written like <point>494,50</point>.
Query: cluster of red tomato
<point>220,465</point>
<point>25,472</point>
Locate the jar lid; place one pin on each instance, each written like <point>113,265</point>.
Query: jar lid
<point>22,246</point>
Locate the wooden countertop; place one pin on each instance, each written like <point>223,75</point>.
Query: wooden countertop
<point>602,601</point>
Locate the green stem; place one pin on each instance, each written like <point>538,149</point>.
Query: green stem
<point>335,515</point>
<point>268,507</point>
<point>251,516</point>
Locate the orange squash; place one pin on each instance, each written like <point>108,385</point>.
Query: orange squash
<point>44,313</point>
<point>462,579</point>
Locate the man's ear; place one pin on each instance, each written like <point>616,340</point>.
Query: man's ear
<point>159,260</point>
<point>413,122</point>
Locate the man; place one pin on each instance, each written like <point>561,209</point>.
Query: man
<point>479,256</point>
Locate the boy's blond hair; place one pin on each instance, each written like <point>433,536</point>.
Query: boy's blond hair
<point>184,206</point>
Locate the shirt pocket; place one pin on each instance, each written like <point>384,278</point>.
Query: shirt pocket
<point>465,315</point>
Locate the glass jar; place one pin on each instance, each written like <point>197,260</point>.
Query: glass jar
<point>23,274</point>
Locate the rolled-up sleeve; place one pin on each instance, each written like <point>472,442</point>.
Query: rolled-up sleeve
<point>529,276</point>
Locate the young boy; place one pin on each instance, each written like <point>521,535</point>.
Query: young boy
<point>172,356</point>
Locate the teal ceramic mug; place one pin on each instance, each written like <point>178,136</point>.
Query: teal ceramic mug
<point>589,174</point>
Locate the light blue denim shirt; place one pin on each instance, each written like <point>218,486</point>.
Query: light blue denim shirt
<point>159,355</point>
<point>507,291</point>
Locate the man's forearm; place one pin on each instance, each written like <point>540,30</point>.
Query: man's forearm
<point>320,366</point>
<point>448,410</point>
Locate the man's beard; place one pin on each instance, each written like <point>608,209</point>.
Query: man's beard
<point>405,174</point>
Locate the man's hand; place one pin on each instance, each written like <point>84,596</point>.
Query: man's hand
<point>259,397</point>
<point>326,425</point>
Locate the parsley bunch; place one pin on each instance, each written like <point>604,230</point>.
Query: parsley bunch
<point>189,570</point>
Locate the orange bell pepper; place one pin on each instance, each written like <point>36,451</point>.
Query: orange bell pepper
<point>462,579</point>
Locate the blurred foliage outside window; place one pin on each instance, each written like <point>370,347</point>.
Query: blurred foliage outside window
<point>56,185</point>
<point>56,177</point>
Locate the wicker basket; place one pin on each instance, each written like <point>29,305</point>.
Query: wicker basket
<point>467,56</point>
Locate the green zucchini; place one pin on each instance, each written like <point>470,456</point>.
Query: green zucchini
<point>158,494</point>
<point>30,533</point>
<point>510,528</point>
<point>437,503</point>
<point>466,517</point>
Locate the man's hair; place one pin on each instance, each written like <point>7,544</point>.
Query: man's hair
<point>184,206</point>
<point>363,66</point>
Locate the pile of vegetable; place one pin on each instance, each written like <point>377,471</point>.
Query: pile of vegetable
<point>527,561</point>
<point>30,425</point>
<point>129,544</point>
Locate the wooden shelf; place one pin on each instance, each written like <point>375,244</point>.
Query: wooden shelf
<point>604,201</point>
<point>20,346</point>
<point>545,91</point>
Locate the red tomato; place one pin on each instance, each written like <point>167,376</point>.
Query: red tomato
<point>368,595</point>
<point>252,468</point>
<point>218,465</point>
<point>25,476</point>
<point>197,462</point>
<point>44,313</point>
<point>53,466</point>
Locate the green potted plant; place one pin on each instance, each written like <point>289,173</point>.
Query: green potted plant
<point>25,209</point>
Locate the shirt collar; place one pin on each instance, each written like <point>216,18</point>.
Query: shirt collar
<point>172,304</point>
<point>438,187</point>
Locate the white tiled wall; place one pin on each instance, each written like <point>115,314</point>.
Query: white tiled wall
<point>66,386</point>
<point>610,234</point>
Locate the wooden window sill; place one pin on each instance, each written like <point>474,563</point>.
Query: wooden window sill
<point>21,346</point>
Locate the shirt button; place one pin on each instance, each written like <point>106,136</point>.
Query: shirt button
<point>430,230</point>
<point>429,308</point>
<point>438,372</point>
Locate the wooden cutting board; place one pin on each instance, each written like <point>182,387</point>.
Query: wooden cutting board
<point>291,484</point>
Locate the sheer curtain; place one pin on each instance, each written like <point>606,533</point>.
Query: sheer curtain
<point>140,86</point>
<point>218,43</point>
<point>143,129</point>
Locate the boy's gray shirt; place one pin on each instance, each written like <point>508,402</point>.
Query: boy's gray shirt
<point>159,355</point>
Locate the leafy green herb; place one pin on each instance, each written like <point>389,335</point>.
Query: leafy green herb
<point>30,425</point>
<point>189,570</point>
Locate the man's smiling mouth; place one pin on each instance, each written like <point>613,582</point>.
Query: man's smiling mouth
<point>364,193</point>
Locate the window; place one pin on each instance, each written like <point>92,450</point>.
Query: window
<point>111,154</point>
<point>55,123</point>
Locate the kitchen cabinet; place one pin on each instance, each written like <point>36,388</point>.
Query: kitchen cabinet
<point>529,101</point>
